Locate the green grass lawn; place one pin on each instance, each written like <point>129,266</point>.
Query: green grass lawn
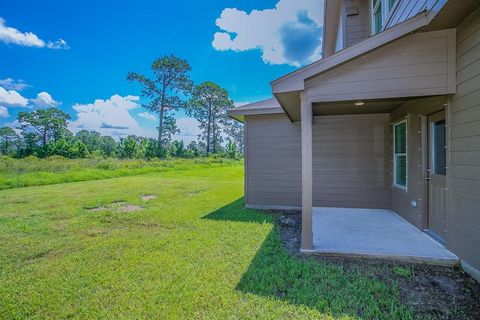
<point>193,252</point>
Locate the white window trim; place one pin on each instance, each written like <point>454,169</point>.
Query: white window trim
<point>386,14</point>
<point>395,184</point>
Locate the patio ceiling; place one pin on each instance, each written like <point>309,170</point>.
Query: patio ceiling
<point>350,107</point>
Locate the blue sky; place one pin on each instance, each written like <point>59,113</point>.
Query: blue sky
<point>75,55</point>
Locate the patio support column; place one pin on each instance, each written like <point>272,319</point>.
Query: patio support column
<point>306,129</point>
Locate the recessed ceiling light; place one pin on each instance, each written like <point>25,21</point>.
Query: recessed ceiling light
<point>359,103</point>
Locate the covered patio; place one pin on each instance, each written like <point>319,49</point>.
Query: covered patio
<point>347,110</point>
<point>374,233</point>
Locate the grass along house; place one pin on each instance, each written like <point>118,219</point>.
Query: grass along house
<point>378,143</point>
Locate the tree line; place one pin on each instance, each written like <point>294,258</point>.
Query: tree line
<point>44,132</point>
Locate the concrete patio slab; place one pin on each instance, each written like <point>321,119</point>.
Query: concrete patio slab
<point>374,233</point>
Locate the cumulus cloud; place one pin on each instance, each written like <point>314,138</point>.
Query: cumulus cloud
<point>11,84</point>
<point>10,35</point>
<point>12,98</point>
<point>290,33</point>
<point>14,125</point>
<point>109,117</point>
<point>147,116</point>
<point>3,112</point>
<point>44,100</point>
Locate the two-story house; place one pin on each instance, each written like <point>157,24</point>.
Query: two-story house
<point>378,143</point>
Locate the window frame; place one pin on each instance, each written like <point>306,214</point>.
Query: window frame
<point>386,13</point>
<point>395,154</point>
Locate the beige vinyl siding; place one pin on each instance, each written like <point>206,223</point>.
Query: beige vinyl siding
<point>273,165</point>
<point>407,9</point>
<point>356,26</point>
<point>415,111</point>
<point>464,170</point>
<point>418,65</point>
<point>349,161</point>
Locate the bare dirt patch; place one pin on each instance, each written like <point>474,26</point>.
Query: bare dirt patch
<point>97,209</point>
<point>119,206</point>
<point>433,292</point>
<point>195,192</point>
<point>95,232</point>
<point>129,208</point>
<point>148,197</point>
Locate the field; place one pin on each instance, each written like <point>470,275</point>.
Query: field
<point>31,171</point>
<point>168,244</point>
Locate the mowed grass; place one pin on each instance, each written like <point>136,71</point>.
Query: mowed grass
<point>193,252</point>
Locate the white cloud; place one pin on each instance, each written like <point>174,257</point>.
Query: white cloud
<point>147,116</point>
<point>44,100</point>
<point>11,84</point>
<point>14,125</point>
<point>109,117</point>
<point>3,112</point>
<point>59,44</point>
<point>189,130</point>
<point>290,33</point>
<point>11,35</point>
<point>12,98</point>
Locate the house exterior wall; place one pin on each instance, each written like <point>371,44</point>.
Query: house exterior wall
<point>349,161</point>
<point>415,112</point>
<point>351,174</point>
<point>464,115</point>
<point>463,129</point>
<point>421,64</point>
<point>273,166</point>
<point>356,17</point>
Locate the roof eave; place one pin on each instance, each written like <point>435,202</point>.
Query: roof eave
<point>240,114</point>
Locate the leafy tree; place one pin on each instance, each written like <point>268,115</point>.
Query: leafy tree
<point>30,140</point>
<point>108,145</point>
<point>192,150</point>
<point>208,105</point>
<point>46,123</point>
<point>234,130</point>
<point>177,149</point>
<point>91,139</point>
<point>132,147</point>
<point>68,147</point>
<point>170,81</point>
<point>232,151</point>
<point>9,140</point>
<point>151,148</point>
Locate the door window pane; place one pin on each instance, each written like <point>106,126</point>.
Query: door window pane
<point>439,153</point>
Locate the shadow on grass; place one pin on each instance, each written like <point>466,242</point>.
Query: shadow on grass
<point>236,211</point>
<point>302,281</point>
